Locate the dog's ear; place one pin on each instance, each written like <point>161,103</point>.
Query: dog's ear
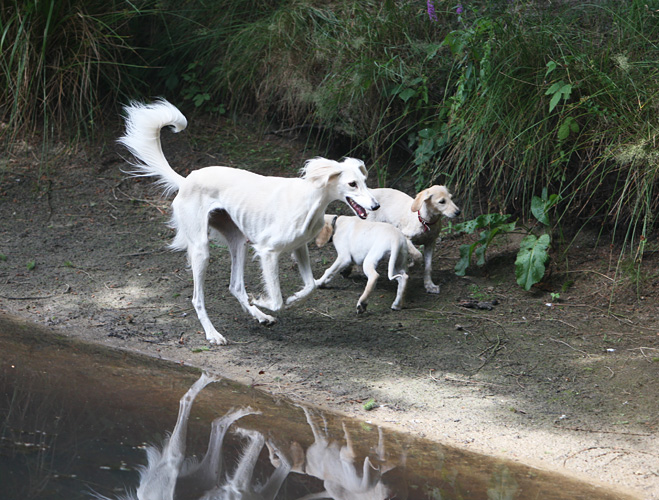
<point>419,200</point>
<point>321,171</point>
<point>324,235</point>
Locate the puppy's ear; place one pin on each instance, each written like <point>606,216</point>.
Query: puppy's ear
<point>418,201</point>
<point>324,235</point>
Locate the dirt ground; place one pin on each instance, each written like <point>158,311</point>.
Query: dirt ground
<point>567,385</point>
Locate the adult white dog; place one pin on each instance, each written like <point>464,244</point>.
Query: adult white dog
<point>419,219</point>
<point>275,215</point>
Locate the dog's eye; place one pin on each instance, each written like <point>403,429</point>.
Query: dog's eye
<point>352,184</point>
<point>442,201</point>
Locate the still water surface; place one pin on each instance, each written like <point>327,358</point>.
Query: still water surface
<point>79,420</point>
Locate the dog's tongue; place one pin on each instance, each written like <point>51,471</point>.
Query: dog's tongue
<point>357,208</point>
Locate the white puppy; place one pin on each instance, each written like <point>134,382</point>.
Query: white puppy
<point>365,243</point>
<point>275,215</point>
<point>419,219</point>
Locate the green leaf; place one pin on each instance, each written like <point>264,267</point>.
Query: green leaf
<point>563,131</point>
<point>554,88</point>
<point>539,210</point>
<point>554,101</point>
<point>531,259</point>
<point>407,94</point>
<point>31,265</point>
<point>465,257</point>
<point>370,405</point>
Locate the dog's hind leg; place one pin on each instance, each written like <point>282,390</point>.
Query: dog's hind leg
<point>301,255</point>
<point>369,270</point>
<point>198,255</point>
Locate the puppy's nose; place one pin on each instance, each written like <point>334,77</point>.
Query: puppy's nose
<point>376,206</point>
<point>457,212</point>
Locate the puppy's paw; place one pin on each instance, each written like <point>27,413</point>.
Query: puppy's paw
<point>361,307</point>
<point>432,288</point>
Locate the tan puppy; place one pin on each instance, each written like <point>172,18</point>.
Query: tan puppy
<point>419,219</point>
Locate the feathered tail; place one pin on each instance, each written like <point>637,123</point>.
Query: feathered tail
<point>142,139</point>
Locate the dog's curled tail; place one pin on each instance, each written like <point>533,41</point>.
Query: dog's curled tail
<point>397,259</point>
<point>142,139</point>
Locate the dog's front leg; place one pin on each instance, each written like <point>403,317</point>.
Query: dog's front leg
<point>427,272</point>
<point>271,299</point>
<point>301,255</point>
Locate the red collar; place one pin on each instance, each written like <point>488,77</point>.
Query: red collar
<point>426,225</point>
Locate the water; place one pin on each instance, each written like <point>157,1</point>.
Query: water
<point>77,420</point>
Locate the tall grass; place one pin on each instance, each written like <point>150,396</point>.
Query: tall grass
<point>60,61</point>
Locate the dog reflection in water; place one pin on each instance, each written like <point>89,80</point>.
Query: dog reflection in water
<point>334,463</point>
<point>169,475</point>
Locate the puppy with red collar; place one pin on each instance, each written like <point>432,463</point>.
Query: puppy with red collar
<point>418,218</point>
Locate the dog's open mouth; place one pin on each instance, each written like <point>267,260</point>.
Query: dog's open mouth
<point>357,208</point>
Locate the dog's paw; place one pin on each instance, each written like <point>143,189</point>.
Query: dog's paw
<point>396,307</point>
<point>432,288</point>
<point>266,320</point>
<point>361,307</point>
<point>216,337</point>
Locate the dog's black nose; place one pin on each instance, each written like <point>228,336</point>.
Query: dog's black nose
<point>376,206</point>
<point>457,212</point>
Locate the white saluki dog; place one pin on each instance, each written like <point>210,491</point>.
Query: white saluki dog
<point>418,218</point>
<point>169,474</point>
<point>365,243</point>
<point>275,215</point>
<point>168,471</point>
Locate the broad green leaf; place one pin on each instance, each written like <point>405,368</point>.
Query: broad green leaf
<point>531,259</point>
<point>539,210</point>
<point>463,262</point>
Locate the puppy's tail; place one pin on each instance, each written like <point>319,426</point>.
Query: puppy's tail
<point>327,232</point>
<point>398,259</point>
<point>142,139</point>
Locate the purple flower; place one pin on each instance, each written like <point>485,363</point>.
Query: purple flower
<point>431,11</point>
<point>458,10</point>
